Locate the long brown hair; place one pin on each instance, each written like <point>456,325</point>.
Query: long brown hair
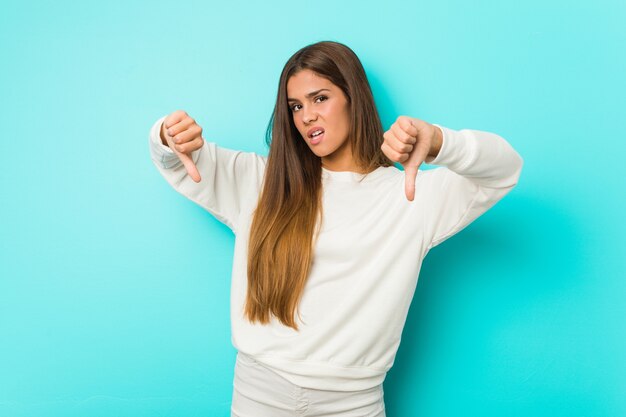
<point>288,214</point>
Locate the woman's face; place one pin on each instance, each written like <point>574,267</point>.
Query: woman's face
<point>318,104</point>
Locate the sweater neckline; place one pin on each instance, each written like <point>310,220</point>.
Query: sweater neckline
<point>351,176</point>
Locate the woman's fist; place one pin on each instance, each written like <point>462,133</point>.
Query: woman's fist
<point>409,141</point>
<point>183,135</point>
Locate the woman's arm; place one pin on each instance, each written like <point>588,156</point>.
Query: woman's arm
<point>476,170</point>
<point>229,178</point>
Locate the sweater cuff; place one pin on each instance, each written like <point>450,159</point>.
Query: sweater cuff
<point>161,153</point>
<point>456,151</point>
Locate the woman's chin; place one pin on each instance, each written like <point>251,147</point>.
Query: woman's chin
<point>319,152</point>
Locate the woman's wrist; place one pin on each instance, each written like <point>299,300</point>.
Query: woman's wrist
<point>437,141</point>
<point>162,135</point>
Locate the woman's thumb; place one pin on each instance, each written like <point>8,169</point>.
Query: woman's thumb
<point>185,159</point>
<point>191,168</point>
<point>410,172</point>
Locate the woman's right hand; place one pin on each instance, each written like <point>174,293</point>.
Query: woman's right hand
<point>183,135</point>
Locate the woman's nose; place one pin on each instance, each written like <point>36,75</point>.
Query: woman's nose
<point>308,115</point>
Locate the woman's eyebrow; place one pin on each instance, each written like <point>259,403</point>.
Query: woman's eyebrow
<point>311,94</point>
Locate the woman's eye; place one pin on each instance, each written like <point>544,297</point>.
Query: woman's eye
<point>293,108</point>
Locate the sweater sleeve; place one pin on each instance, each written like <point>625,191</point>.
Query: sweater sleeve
<point>229,178</point>
<point>476,170</point>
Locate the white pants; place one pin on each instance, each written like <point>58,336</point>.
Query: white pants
<point>258,391</point>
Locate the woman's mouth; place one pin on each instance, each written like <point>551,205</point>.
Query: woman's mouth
<point>316,139</point>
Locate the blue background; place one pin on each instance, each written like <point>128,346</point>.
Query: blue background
<point>114,289</point>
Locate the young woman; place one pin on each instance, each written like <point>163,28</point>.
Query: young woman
<point>330,234</point>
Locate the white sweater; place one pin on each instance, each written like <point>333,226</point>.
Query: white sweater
<point>367,257</point>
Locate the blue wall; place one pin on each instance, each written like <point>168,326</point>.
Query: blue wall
<point>114,289</point>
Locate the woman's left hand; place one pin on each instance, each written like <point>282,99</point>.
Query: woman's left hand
<point>409,141</point>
